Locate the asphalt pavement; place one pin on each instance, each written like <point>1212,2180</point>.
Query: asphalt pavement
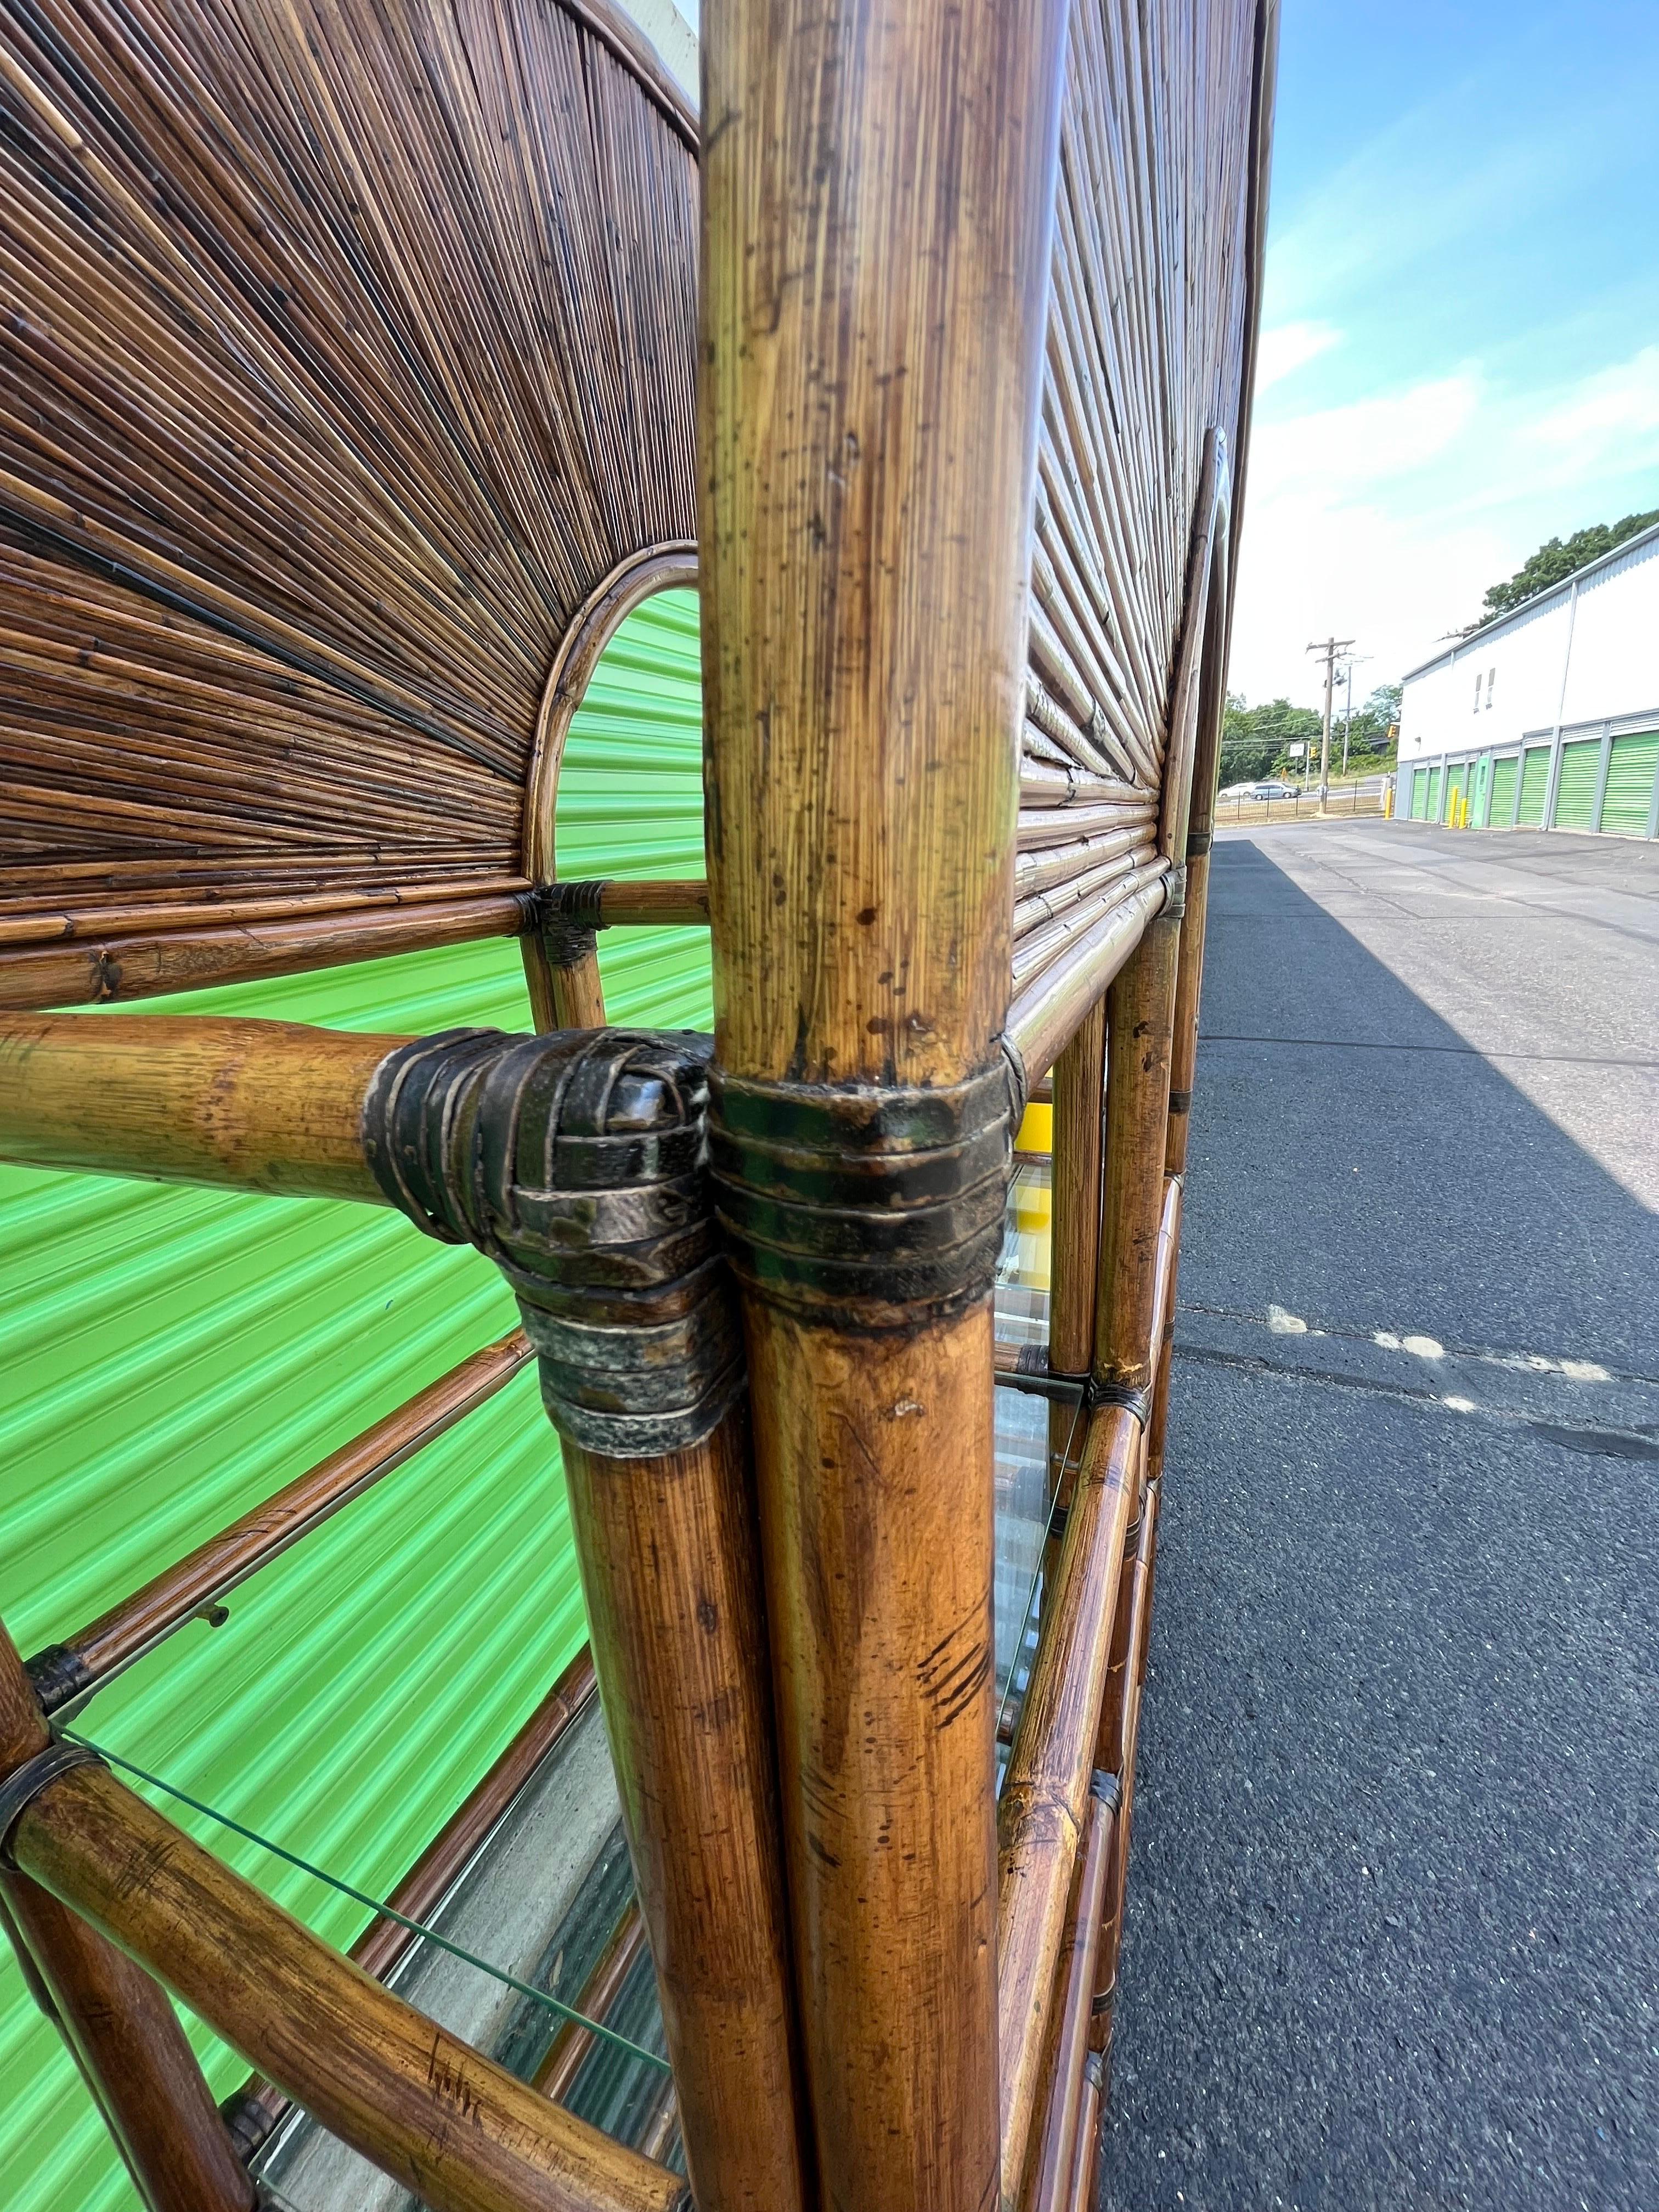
<point>1393,1927</point>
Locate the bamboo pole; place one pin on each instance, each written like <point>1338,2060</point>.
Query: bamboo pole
<point>457,2130</point>
<point>1050,1005</point>
<point>1211,700</point>
<point>1140,1010</point>
<point>668,1553</point>
<point>250,1105</point>
<point>1075,1241</point>
<point>1164,1324</point>
<point>1041,1814</point>
<point>146,966</point>
<point>1050,2170</point>
<point>67,1673</point>
<point>878,193</point>
<point>120,2029</point>
<point>252,2111</point>
<point>564,2060</point>
<point>577,1162</point>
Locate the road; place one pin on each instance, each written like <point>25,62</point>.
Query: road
<point>1393,1933</point>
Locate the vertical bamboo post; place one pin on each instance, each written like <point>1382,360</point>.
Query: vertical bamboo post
<point>667,1547</point>
<point>877,197</point>
<point>120,2028</point>
<point>578,1161</point>
<point>1139,1013</point>
<point>1074,1244</point>
<point>1199,836</point>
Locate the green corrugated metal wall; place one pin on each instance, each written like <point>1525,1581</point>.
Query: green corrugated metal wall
<point>1574,792</point>
<point>170,1356</point>
<point>1435,808</point>
<point>1534,787</point>
<point>1501,806</point>
<point>1628,800</point>
<point>1419,794</point>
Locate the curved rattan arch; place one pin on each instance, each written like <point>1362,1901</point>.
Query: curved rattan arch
<point>629,585</point>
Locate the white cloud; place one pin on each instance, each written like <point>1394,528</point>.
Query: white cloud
<point>1612,416</point>
<point>1288,347</point>
<point>1385,519</point>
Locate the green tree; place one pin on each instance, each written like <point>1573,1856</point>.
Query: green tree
<point>1374,733</point>
<point>1255,740</point>
<point>1558,557</point>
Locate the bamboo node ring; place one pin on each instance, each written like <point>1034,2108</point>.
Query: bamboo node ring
<point>577,1162</point>
<point>24,1783</point>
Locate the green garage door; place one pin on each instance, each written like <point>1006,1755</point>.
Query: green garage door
<point>1433,808</point>
<point>1534,781</point>
<point>170,1356</point>
<point>1419,794</point>
<point>1503,794</point>
<point>1629,801</point>
<point>1457,777</point>
<point>1575,794</point>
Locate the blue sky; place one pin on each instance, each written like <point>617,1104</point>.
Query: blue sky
<point>1461,323</point>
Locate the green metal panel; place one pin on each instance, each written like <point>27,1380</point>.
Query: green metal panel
<point>1479,792</point>
<point>1434,809</point>
<point>1535,785</point>
<point>1575,794</point>
<point>169,1357</point>
<point>1629,799</point>
<point>1502,805</point>
<point>1419,794</point>
<point>1457,783</point>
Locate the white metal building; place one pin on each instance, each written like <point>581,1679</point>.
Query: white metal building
<point>1547,718</point>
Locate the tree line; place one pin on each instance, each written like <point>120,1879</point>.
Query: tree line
<point>1255,741</point>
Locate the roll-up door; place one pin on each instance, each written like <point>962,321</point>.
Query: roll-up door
<point>1534,783</point>
<point>1433,808</point>
<point>1575,794</point>
<point>1458,776</point>
<point>1627,808</point>
<point>1503,794</point>
<point>1419,794</point>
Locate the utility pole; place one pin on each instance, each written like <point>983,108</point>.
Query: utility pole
<point>1347,712</point>
<point>1330,649</point>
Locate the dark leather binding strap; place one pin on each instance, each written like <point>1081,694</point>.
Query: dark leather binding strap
<point>577,1162</point>
<point>866,1208</point>
<point>565,916</point>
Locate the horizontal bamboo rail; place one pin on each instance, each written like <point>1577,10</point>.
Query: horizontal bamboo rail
<point>1041,1815</point>
<point>1049,1011</point>
<point>148,964</point>
<point>452,2127</point>
<point>66,958</point>
<point>66,1673</point>
<point>253,2111</point>
<point>248,1105</point>
<point>82,919</point>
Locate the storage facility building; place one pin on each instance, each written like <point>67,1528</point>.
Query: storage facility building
<point>1547,718</point>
